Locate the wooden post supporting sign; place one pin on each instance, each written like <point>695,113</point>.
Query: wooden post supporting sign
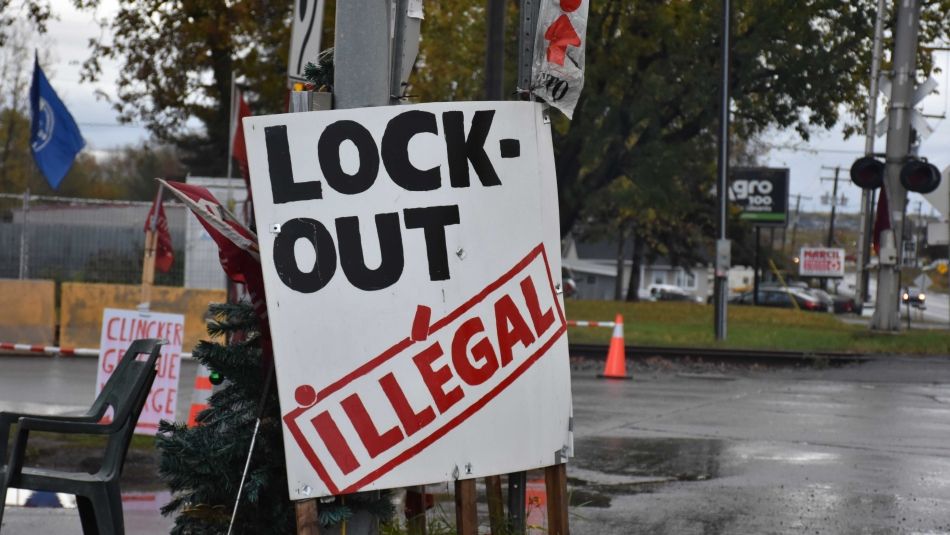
<point>496,504</point>
<point>148,261</point>
<point>307,520</point>
<point>466,512</point>
<point>555,483</point>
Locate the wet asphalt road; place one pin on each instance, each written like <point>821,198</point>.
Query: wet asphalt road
<point>691,450</point>
<point>864,449</point>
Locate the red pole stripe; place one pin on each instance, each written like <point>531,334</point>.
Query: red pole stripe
<point>53,350</point>
<point>582,323</point>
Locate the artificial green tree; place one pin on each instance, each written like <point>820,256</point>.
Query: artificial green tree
<point>202,465</point>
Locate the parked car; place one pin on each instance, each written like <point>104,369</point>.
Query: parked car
<point>844,304</point>
<point>570,284</point>
<point>822,296</point>
<point>669,292</point>
<point>783,298</point>
<point>839,304</point>
<point>913,296</point>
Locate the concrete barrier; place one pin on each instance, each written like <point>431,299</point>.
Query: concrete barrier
<point>28,311</point>
<point>82,305</point>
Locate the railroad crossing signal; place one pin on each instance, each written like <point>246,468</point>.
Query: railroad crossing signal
<point>916,174</point>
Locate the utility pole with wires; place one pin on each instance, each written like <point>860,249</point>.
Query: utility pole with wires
<point>798,210</point>
<point>886,314</point>
<point>867,196</point>
<point>834,201</point>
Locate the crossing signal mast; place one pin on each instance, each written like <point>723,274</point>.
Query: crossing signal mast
<point>917,175</point>
<point>901,171</point>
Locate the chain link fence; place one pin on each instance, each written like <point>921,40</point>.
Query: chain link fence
<point>92,240</point>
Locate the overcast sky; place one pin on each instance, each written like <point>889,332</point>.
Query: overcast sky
<point>68,38</point>
<point>69,35</point>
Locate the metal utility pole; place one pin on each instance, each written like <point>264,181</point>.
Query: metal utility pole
<point>798,211</point>
<point>495,51</point>
<point>361,55</point>
<point>867,196</point>
<point>886,314</point>
<point>529,10</point>
<point>24,238</point>
<point>834,205</point>
<point>721,286</point>
<point>527,30</point>
<point>920,230</point>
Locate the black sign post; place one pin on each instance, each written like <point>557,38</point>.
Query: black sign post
<point>762,195</point>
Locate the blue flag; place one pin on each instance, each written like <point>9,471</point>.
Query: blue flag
<point>54,136</point>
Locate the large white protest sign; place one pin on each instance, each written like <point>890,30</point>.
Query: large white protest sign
<point>557,74</point>
<point>411,260</point>
<point>119,329</point>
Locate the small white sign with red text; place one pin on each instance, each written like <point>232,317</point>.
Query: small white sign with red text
<point>821,262</point>
<point>557,74</point>
<point>411,262</point>
<point>119,329</point>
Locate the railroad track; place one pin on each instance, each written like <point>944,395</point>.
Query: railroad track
<point>745,356</point>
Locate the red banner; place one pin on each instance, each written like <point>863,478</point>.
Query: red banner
<point>237,246</point>
<point>164,255</point>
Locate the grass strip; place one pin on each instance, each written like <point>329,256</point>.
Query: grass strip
<point>677,324</point>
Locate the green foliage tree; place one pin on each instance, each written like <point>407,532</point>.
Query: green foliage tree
<point>203,464</point>
<point>177,59</point>
<point>35,12</point>
<point>18,171</point>
<point>127,174</point>
<point>652,79</point>
<point>133,169</point>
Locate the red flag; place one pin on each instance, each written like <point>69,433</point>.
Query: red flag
<point>164,256</point>
<point>882,221</point>
<point>238,148</point>
<point>237,247</point>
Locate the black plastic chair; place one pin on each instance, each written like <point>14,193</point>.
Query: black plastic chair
<point>97,494</point>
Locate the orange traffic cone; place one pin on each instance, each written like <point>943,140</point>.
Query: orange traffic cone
<point>200,395</point>
<point>616,367</point>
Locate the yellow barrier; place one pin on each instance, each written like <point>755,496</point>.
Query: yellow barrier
<point>27,311</point>
<point>82,305</point>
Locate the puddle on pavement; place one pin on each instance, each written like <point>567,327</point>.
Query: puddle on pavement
<point>610,466</point>
<point>681,459</point>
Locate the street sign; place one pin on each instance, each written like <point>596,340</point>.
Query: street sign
<point>821,262</point>
<point>305,34</point>
<point>917,119</point>
<point>761,193</point>
<point>557,75</point>
<point>723,257</point>
<point>411,258</point>
<point>938,233</point>
<point>119,329</point>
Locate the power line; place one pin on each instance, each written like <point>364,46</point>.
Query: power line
<point>111,125</point>
<point>797,148</point>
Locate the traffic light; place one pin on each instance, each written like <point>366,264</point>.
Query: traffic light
<point>920,176</point>
<point>916,175</point>
<point>867,173</point>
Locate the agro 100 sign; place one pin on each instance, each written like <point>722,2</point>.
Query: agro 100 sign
<point>761,193</point>
<point>412,268</point>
